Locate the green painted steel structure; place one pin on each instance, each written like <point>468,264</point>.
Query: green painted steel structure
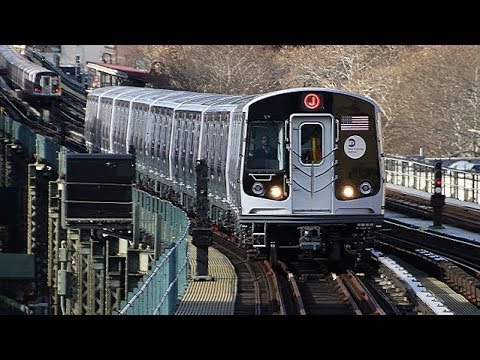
<point>147,270</point>
<point>160,290</point>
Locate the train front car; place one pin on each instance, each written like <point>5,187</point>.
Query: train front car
<point>33,81</point>
<point>312,174</point>
<point>42,83</point>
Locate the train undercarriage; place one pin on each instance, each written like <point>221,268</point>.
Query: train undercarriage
<point>338,244</point>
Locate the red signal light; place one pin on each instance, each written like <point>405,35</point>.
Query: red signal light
<point>437,180</point>
<point>312,101</point>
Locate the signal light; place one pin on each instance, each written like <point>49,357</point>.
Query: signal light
<point>437,182</point>
<point>437,200</point>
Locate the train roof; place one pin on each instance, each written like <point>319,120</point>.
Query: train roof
<point>172,99</point>
<point>199,101</point>
<point>13,57</point>
<point>119,70</point>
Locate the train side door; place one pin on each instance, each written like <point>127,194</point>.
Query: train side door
<point>312,163</point>
<point>46,84</point>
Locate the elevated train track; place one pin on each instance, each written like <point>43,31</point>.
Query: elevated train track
<point>59,128</point>
<point>320,292</point>
<point>463,216</point>
<point>454,261</point>
<point>258,288</point>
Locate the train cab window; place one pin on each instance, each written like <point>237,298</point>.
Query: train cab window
<point>311,143</point>
<point>266,145</point>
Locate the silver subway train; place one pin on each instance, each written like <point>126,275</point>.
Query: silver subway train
<point>33,80</point>
<point>297,169</point>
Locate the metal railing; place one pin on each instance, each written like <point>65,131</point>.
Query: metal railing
<point>457,184</point>
<point>161,289</point>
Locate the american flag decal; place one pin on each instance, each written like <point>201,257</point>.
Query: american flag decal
<point>354,123</point>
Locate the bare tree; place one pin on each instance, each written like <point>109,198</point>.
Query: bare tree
<point>439,89</point>
<point>429,95</point>
<point>374,71</point>
<point>216,68</point>
<point>335,66</point>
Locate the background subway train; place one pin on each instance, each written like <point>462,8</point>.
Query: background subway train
<point>32,80</point>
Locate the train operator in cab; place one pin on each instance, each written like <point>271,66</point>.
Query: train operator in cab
<point>265,151</point>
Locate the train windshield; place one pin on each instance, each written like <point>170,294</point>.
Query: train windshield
<point>266,145</point>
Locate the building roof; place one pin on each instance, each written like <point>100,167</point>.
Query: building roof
<point>125,72</point>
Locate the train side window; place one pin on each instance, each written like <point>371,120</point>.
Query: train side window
<point>311,143</point>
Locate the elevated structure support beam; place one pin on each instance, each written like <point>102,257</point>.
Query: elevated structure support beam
<point>15,177</point>
<point>37,222</point>
<point>55,236</point>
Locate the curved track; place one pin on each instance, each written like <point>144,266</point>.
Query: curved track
<point>258,290</point>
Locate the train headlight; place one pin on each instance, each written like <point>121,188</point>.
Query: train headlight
<point>276,192</point>
<point>365,188</point>
<point>258,189</point>
<point>348,192</point>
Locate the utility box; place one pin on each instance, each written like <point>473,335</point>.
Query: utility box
<point>98,190</point>
<point>62,282</point>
